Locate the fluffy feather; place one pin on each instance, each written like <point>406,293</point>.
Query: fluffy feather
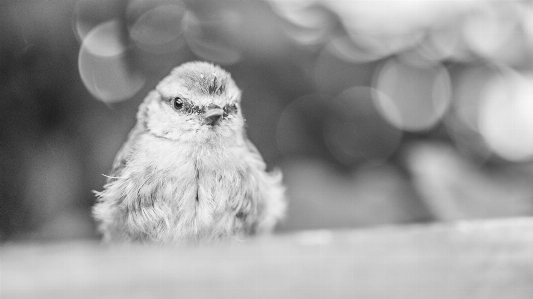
<point>178,180</point>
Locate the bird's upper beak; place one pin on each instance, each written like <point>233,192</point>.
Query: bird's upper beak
<point>213,115</point>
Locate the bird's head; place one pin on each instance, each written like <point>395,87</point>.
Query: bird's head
<point>198,101</point>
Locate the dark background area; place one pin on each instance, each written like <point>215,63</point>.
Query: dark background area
<point>378,112</point>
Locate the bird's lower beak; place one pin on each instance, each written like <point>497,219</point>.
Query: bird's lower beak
<point>213,116</point>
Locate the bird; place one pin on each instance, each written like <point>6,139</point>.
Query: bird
<point>187,173</point>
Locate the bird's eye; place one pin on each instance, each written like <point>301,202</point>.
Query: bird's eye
<point>177,103</point>
<point>230,109</point>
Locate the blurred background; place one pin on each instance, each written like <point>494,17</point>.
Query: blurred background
<point>378,112</point>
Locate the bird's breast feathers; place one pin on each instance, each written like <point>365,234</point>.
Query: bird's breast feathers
<point>169,192</point>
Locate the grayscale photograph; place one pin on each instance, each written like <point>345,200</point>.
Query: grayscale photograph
<point>366,149</point>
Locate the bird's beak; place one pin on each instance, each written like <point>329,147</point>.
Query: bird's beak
<point>212,116</point>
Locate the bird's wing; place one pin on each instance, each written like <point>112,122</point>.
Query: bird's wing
<point>123,154</point>
<point>271,204</point>
<point>255,152</point>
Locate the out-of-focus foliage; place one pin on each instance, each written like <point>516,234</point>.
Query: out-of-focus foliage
<point>378,112</point>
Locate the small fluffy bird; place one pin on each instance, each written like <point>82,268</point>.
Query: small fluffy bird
<point>187,172</point>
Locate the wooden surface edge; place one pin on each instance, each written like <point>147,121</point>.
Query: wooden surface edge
<point>471,259</point>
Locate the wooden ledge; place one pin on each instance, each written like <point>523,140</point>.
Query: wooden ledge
<point>479,259</point>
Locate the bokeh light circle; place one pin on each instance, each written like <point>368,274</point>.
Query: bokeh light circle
<point>412,98</point>
<point>103,67</point>
<point>104,40</point>
<point>355,132</point>
<point>299,124</point>
<point>491,32</point>
<point>203,38</point>
<point>506,115</point>
<point>159,30</point>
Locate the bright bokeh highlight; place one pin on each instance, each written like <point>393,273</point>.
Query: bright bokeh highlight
<point>506,115</point>
<point>103,67</point>
<point>160,29</point>
<point>412,98</point>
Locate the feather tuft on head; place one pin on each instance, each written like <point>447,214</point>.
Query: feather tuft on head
<point>202,77</point>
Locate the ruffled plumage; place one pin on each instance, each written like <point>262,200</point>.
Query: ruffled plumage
<point>177,181</point>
